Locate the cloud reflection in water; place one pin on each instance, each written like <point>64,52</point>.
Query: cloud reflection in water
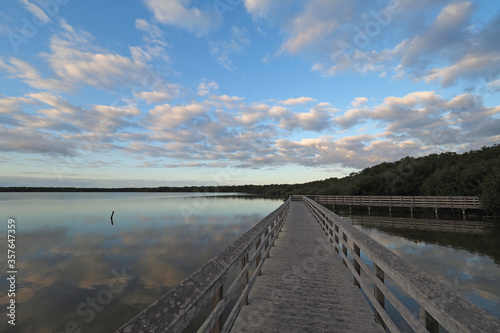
<point>68,249</point>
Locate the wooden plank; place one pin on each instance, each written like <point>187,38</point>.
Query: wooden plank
<point>304,287</point>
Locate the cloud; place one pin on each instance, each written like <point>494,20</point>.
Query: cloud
<point>205,87</point>
<point>152,29</point>
<point>494,85</point>
<point>436,41</point>
<point>319,118</point>
<point>258,8</point>
<point>394,110</point>
<point>426,118</point>
<point>445,33</point>
<point>31,76</point>
<point>359,101</point>
<point>230,102</point>
<point>29,141</point>
<point>167,93</point>
<point>306,34</point>
<point>351,151</point>
<point>35,10</point>
<point>297,101</point>
<point>223,50</point>
<point>167,116</point>
<point>75,61</point>
<point>470,66</point>
<point>180,14</point>
<point>452,49</point>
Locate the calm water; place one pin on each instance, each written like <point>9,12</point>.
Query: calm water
<point>77,271</point>
<point>468,261</point>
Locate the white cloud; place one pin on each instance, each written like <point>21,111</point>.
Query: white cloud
<point>228,101</point>
<point>180,14</point>
<point>223,50</point>
<point>470,66</point>
<point>433,40</point>
<point>152,29</point>
<point>445,33</point>
<point>297,101</point>
<point>35,10</point>
<point>205,87</point>
<point>31,76</point>
<point>158,96</point>
<point>359,101</point>
<point>167,116</point>
<point>395,111</point>
<point>29,141</point>
<point>75,61</point>
<point>319,118</point>
<point>305,33</point>
<point>140,55</point>
<point>495,85</point>
<point>13,105</point>
<point>258,8</point>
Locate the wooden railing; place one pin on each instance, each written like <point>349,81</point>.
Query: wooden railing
<point>438,304</point>
<point>177,309</point>
<point>462,202</point>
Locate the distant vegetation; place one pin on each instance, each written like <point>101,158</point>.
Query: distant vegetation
<point>475,173</point>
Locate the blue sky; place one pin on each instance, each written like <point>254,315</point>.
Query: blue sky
<point>186,92</point>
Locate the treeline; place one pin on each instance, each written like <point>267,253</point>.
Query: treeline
<point>475,173</point>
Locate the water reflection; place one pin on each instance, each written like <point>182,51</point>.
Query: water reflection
<point>465,255</point>
<point>72,265</point>
<point>432,224</point>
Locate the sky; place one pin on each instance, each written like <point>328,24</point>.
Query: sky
<point>227,92</point>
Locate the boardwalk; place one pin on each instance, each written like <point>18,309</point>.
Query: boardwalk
<point>304,287</point>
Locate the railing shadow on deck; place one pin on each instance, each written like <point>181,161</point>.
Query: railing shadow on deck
<point>439,305</point>
<point>177,309</point>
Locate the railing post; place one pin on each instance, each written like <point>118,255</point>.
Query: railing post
<point>337,239</point>
<point>357,267</point>
<point>244,282</point>
<point>274,231</point>
<point>344,248</point>
<point>216,298</point>
<point>379,295</point>
<point>429,322</point>
<point>259,256</point>
<point>267,240</point>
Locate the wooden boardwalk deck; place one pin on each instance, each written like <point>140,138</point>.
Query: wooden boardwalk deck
<point>304,286</point>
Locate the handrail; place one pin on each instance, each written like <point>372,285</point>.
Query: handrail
<point>464,202</point>
<point>175,310</point>
<point>439,305</point>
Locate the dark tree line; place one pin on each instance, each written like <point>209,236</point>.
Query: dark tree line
<point>475,173</point>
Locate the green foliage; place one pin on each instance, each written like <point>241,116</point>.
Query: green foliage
<point>490,191</point>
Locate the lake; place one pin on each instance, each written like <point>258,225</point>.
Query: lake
<point>463,254</point>
<point>77,270</point>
